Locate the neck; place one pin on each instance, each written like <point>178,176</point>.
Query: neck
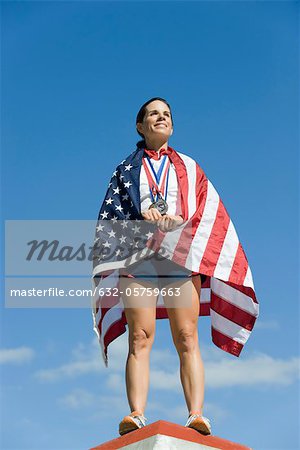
<point>157,146</point>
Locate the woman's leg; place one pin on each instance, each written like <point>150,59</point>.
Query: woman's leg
<point>183,312</point>
<point>140,313</point>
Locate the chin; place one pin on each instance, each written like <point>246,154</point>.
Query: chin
<point>161,133</point>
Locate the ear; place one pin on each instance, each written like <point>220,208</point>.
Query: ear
<point>139,127</point>
<point>171,132</point>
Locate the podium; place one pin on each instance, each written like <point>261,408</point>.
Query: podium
<point>162,435</point>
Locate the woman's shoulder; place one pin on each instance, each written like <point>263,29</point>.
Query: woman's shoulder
<point>186,158</point>
<point>131,158</point>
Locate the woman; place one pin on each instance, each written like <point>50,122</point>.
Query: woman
<point>164,199</point>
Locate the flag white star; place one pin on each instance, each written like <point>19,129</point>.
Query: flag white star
<point>100,227</point>
<point>121,177</point>
<point>125,197</point>
<point>149,234</point>
<point>104,215</point>
<point>129,167</point>
<point>106,244</point>
<point>127,184</point>
<point>117,190</point>
<point>114,219</point>
<point>112,233</point>
<point>136,229</point>
<point>115,173</point>
<point>119,208</point>
<point>127,215</point>
<point>124,224</point>
<point>109,201</point>
<point>118,252</point>
<point>122,239</point>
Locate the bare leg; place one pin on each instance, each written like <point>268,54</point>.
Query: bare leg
<point>141,315</point>
<point>183,323</point>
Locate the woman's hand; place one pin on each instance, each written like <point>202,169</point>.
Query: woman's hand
<point>164,223</point>
<point>152,215</point>
<point>168,223</point>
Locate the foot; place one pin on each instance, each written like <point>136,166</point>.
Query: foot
<point>199,423</point>
<point>132,422</point>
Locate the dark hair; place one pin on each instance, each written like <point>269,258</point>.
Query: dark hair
<point>141,114</point>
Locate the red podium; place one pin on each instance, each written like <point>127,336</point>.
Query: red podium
<point>163,435</point>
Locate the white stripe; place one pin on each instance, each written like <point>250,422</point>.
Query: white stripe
<point>230,329</point>
<point>248,279</point>
<point>108,282</point>
<point>227,255</point>
<point>124,263</point>
<point>204,229</point>
<point>170,241</point>
<point>190,166</point>
<point>205,295</point>
<point>234,296</point>
<point>112,315</point>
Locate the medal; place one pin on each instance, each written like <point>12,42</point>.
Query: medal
<point>158,186</point>
<point>160,204</point>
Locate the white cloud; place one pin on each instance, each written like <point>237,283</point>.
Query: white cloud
<point>221,370</point>
<point>69,370</point>
<point>161,379</point>
<point>18,355</point>
<point>99,406</point>
<point>257,370</point>
<point>77,399</point>
<point>116,382</point>
<point>85,359</point>
<point>267,325</point>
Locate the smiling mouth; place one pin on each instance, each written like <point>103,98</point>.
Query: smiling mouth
<point>160,124</point>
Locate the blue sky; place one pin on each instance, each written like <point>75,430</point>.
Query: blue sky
<point>74,75</point>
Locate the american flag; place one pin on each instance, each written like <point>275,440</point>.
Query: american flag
<point>206,242</point>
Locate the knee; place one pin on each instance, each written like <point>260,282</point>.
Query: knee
<point>140,341</point>
<point>186,340</point>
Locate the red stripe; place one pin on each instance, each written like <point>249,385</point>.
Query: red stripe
<point>244,289</point>
<point>215,241</point>
<point>239,267</point>
<point>204,309</point>
<point>226,343</point>
<point>232,312</point>
<point>182,179</point>
<point>186,238</point>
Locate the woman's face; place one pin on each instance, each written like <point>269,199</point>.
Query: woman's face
<point>157,122</point>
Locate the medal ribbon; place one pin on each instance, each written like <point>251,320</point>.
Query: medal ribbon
<point>156,186</point>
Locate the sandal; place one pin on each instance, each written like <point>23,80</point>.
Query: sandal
<point>199,423</point>
<point>132,422</point>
